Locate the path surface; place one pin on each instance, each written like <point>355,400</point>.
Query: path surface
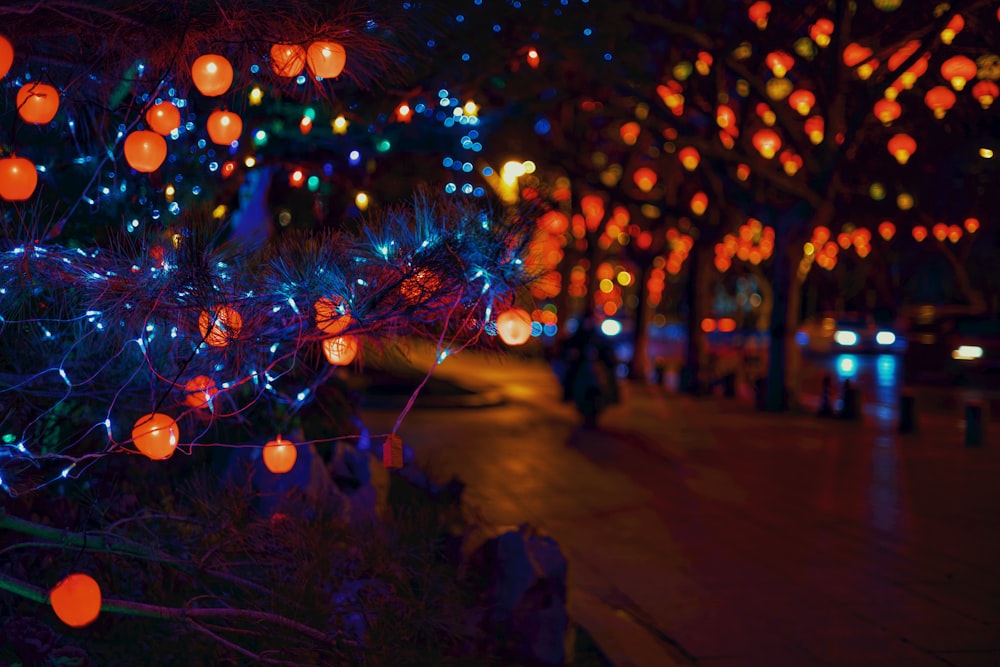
<point>702,532</point>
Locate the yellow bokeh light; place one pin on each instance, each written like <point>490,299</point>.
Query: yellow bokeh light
<point>219,211</point>
<point>339,125</point>
<point>361,201</point>
<point>250,161</point>
<point>624,278</point>
<point>606,286</point>
<point>256,95</point>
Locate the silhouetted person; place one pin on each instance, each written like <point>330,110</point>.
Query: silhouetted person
<point>589,367</point>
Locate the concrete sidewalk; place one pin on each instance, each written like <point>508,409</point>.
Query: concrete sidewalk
<point>700,531</point>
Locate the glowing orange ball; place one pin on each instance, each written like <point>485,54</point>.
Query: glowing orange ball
<point>279,455</point>
<point>76,600</point>
<point>224,127</point>
<point>901,146</point>
<point>287,59</point>
<point>212,75</point>
<point>155,435</point>
<point>200,391</point>
<point>6,56</point>
<point>645,178</point>
<point>767,142</point>
<point>340,350</point>
<point>145,151</point>
<point>514,326</point>
<point>331,315</point>
<point>163,118</point>
<point>221,328</point>
<point>37,102</point>
<point>326,59</point>
<point>18,178</point>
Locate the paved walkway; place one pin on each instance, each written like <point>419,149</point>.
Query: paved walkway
<point>702,532</point>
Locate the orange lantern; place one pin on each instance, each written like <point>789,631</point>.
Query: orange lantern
<point>645,178</point>
<point>758,12</point>
<point>629,132</point>
<point>76,600</point>
<point>18,178</point>
<point>815,129</point>
<point>212,74</point>
<point>985,91</point>
<point>331,315</point>
<point>554,222</point>
<point>940,231</point>
<point>959,70</point>
<point>287,59</point>
<point>200,391</point>
<point>887,110</point>
<point>954,233</point>
<point>779,62</point>
<point>514,326</point>
<point>886,229</point>
<point>689,157</point>
<point>802,101</point>
<point>939,100</point>
<point>340,350</point>
<point>279,455</point>
<point>6,56</point>
<point>699,203</point>
<point>820,32</point>
<point>767,142</point>
<point>163,118</point>
<point>955,26</point>
<point>971,225</point>
<point>145,151</point>
<point>224,127</point>
<point>225,326</point>
<point>326,59</point>
<point>37,102</point>
<point>919,233</point>
<point>855,54</point>
<point>155,435</point>
<point>901,147</point>
<point>726,118</point>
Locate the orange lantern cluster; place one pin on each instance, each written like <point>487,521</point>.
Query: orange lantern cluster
<point>279,455</point>
<point>656,282</point>
<point>690,157</point>
<point>212,74</point>
<point>680,245</point>
<point>821,31</point>
<point>221,327</point>
<point>145,151</point>
<point>76,600</point>
<point>672,95</point>
<point>758,13</point>
<point>514,326</point>
<point>940,100</point>
<point>37,102</point>
<point>155,435</point>
<point>18,178</point>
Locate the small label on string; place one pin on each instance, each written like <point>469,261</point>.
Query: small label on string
<point>392,452</point>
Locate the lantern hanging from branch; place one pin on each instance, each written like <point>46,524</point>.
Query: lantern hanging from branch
<point>326,59</point>
<point>986,92</point>
<point>514,326</point>
<point>901,147</point>
<point>887,110</point>
<point>959,70</point>
<point>200,391</point>
<point>155,435</point>
<point>939,99</point>
<point>163,118</point>
<point>145,151</point>
<point>331,315</point>
<point>279,455</point>
<point>224,127</point>
<point>690,157</point>
<point>340,350</point>
<point>645,178</point>
<point>18,178</point>
<point>767,142</point>
<point>212,74</point>
<point>37,102</point>
<point>219,328</point>
<point>802,100</point>
<point>6,56</point>
<point>287,60</point>
<point>76,600</point>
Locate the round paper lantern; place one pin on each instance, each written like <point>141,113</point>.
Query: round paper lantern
<point>76,600</point>
<point>340,350</point>
<point>6,56</point>
<point>200,391</point>
<point>901,146</point>
<point>163,118</point>
<point>212,75</point>
<point>224,127</point>
<point>939,100</point>
<point>155,435</point>
<point>37,102</point>
<point>18,178</point>
<point>326,59</point>
<point>279,455</point>
<point>287,59</point>
<point>222,328</point>
<point>514,326</point>
<point>645,178</point>
<point>145,151</point>
<point>767,142</point>
<point>331,315</point>
<point>887,110</point>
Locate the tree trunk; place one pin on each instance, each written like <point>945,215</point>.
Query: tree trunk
<point>640,368</point>
<point>695,293</point>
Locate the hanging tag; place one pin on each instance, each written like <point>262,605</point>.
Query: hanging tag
<point>392,452</point>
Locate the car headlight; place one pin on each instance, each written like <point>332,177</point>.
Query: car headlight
<point>845,338</point>
<point>967,352</point>
<point>885,338</point>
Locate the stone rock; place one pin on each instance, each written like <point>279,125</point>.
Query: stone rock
<point>521,579</point>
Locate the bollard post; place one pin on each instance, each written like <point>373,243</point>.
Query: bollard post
<point>825,402</point>
<point>907,413</point>
<point>760,393</point>
<point>851,398</point>
<point>973,424</point>
<point>729,385</point>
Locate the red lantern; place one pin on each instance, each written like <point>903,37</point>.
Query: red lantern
<point>802,101</point>
<point>18,178</point>
<point>340,350</point>
<point>224,127</point>
<point>986,91</point>
<point>690,157</point>
<point>212,75</point>
<point>919,233</point>
<point>155,435</point>
<point>225,326</point>
<point>326,59</point>
<point>163,118</point>
<point>279,455</point>
<point>955,26</point>
<point>331,315</point>
<point>287,59</point>
<point>758,12</point>
<point>815,129</point>
<point>6,56</point>
<point>971,225</point>
<point>901,147</point>
<point>76,600</point>
<point>200,391</point>
<point>939,100</point>
<point>145,151</point>
<point>886,229</point>
<point>959,70</point>
<point>887,110</point>
<point>779,62</point>
<point>767,142</point>
<point>37,102</point>
<point>645,178</point>
<point>514,326</point>
<point>855,54</point>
